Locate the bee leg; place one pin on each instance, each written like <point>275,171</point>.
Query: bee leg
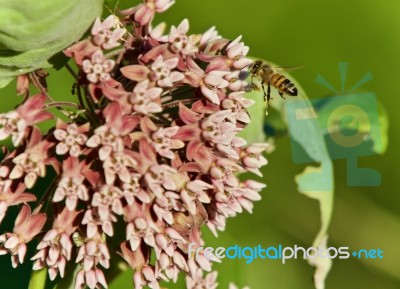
<point>281,94</point>
<point>269,92</point>
<point>263,88</point>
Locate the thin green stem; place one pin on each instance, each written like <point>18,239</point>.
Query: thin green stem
<point>62,103</point>
<point>70,70</point>
<point>38,279</point>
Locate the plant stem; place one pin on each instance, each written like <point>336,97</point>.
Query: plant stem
<point>70,70</point>
<point>62,103</point>
<point>38,279</point>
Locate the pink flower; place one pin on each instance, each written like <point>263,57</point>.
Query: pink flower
<point>104,35</point>
<point>168,267</point>
<point>118,164</point>
<point>26,227</point>
<point>168,241</point>
<point>144,13</point>
<point>107,199</point>
<point>11,198</point>
<point>217,130</point>
<point>93,253</point>
<point>236,52</point>
<point>237,103</point>
<point>71,138</point>
<point>141,229</point>
<point>209,82</point>
<point>71,187</point>
<point>180,42</point>
<point>145,99</point>
<point>31,164</point>
<point>164,204</point>
<point>253,159</point>
<point>90,278</point>
<point>110,136</point>
<point>198,281</point>
<point>163,141</point>
<point>161,178</point>
<point>55,249</point>
<point>160,71</point>
<point>94,220</point>
<point>209,36</point>
<point>16,122</point>
<point>133,190</point>
<point>195,191</point>
<point>98,68</point>
<point>145,276</point>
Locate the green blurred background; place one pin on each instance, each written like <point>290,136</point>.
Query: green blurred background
<point>316,34</point>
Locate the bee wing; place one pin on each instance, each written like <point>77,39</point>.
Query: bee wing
<point>290,68</point>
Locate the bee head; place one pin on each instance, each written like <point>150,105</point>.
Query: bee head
<point>255,66</point>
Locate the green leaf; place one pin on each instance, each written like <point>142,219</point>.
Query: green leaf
<point>314,182</point>
<point>365,117</point>
<point>38,279</point>
<point>32,33</point>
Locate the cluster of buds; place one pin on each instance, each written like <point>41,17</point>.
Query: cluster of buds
<point>152,150</point>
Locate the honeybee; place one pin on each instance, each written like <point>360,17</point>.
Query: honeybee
<point>269,76</point>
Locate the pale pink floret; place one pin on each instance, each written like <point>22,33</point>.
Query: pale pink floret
<point>55,248</point>
<point>144,13</point>
<point>16,122</point>
<point>161,178</point>
<point>162,71</point>
<point>133,190</point>
<point>93,220</point>
<point>141,229</point>
<point>209,82</point>
<point>31,164</point>
<point>253,159</point>
<point>197,280</point>
<point>165,203</point>
<point>108,199</point>
<point>236,51</point>
<point>105,34</point>
<point>237,103</point>
<point>217,130</point>
<point>235,82</point>
<point>195,191</point>
<point>145,99</point>
<point>146,276</point>
<point>180,42</point>
<point>118,164</point>
<point>71,187</point>
<point>168,241</point>
<point>223,173</point>
<point>209,36</point>
<point>164,143</point>
<point>90,279</point>
<point>26,227</point>
<point>109,137</point>
<point>93,253</point>
<point>9,198</point>
<point>71,138</point>
<point>168,267</point>
<point>98,68</point>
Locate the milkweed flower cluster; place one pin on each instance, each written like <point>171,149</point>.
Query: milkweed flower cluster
<point>151,148</point>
